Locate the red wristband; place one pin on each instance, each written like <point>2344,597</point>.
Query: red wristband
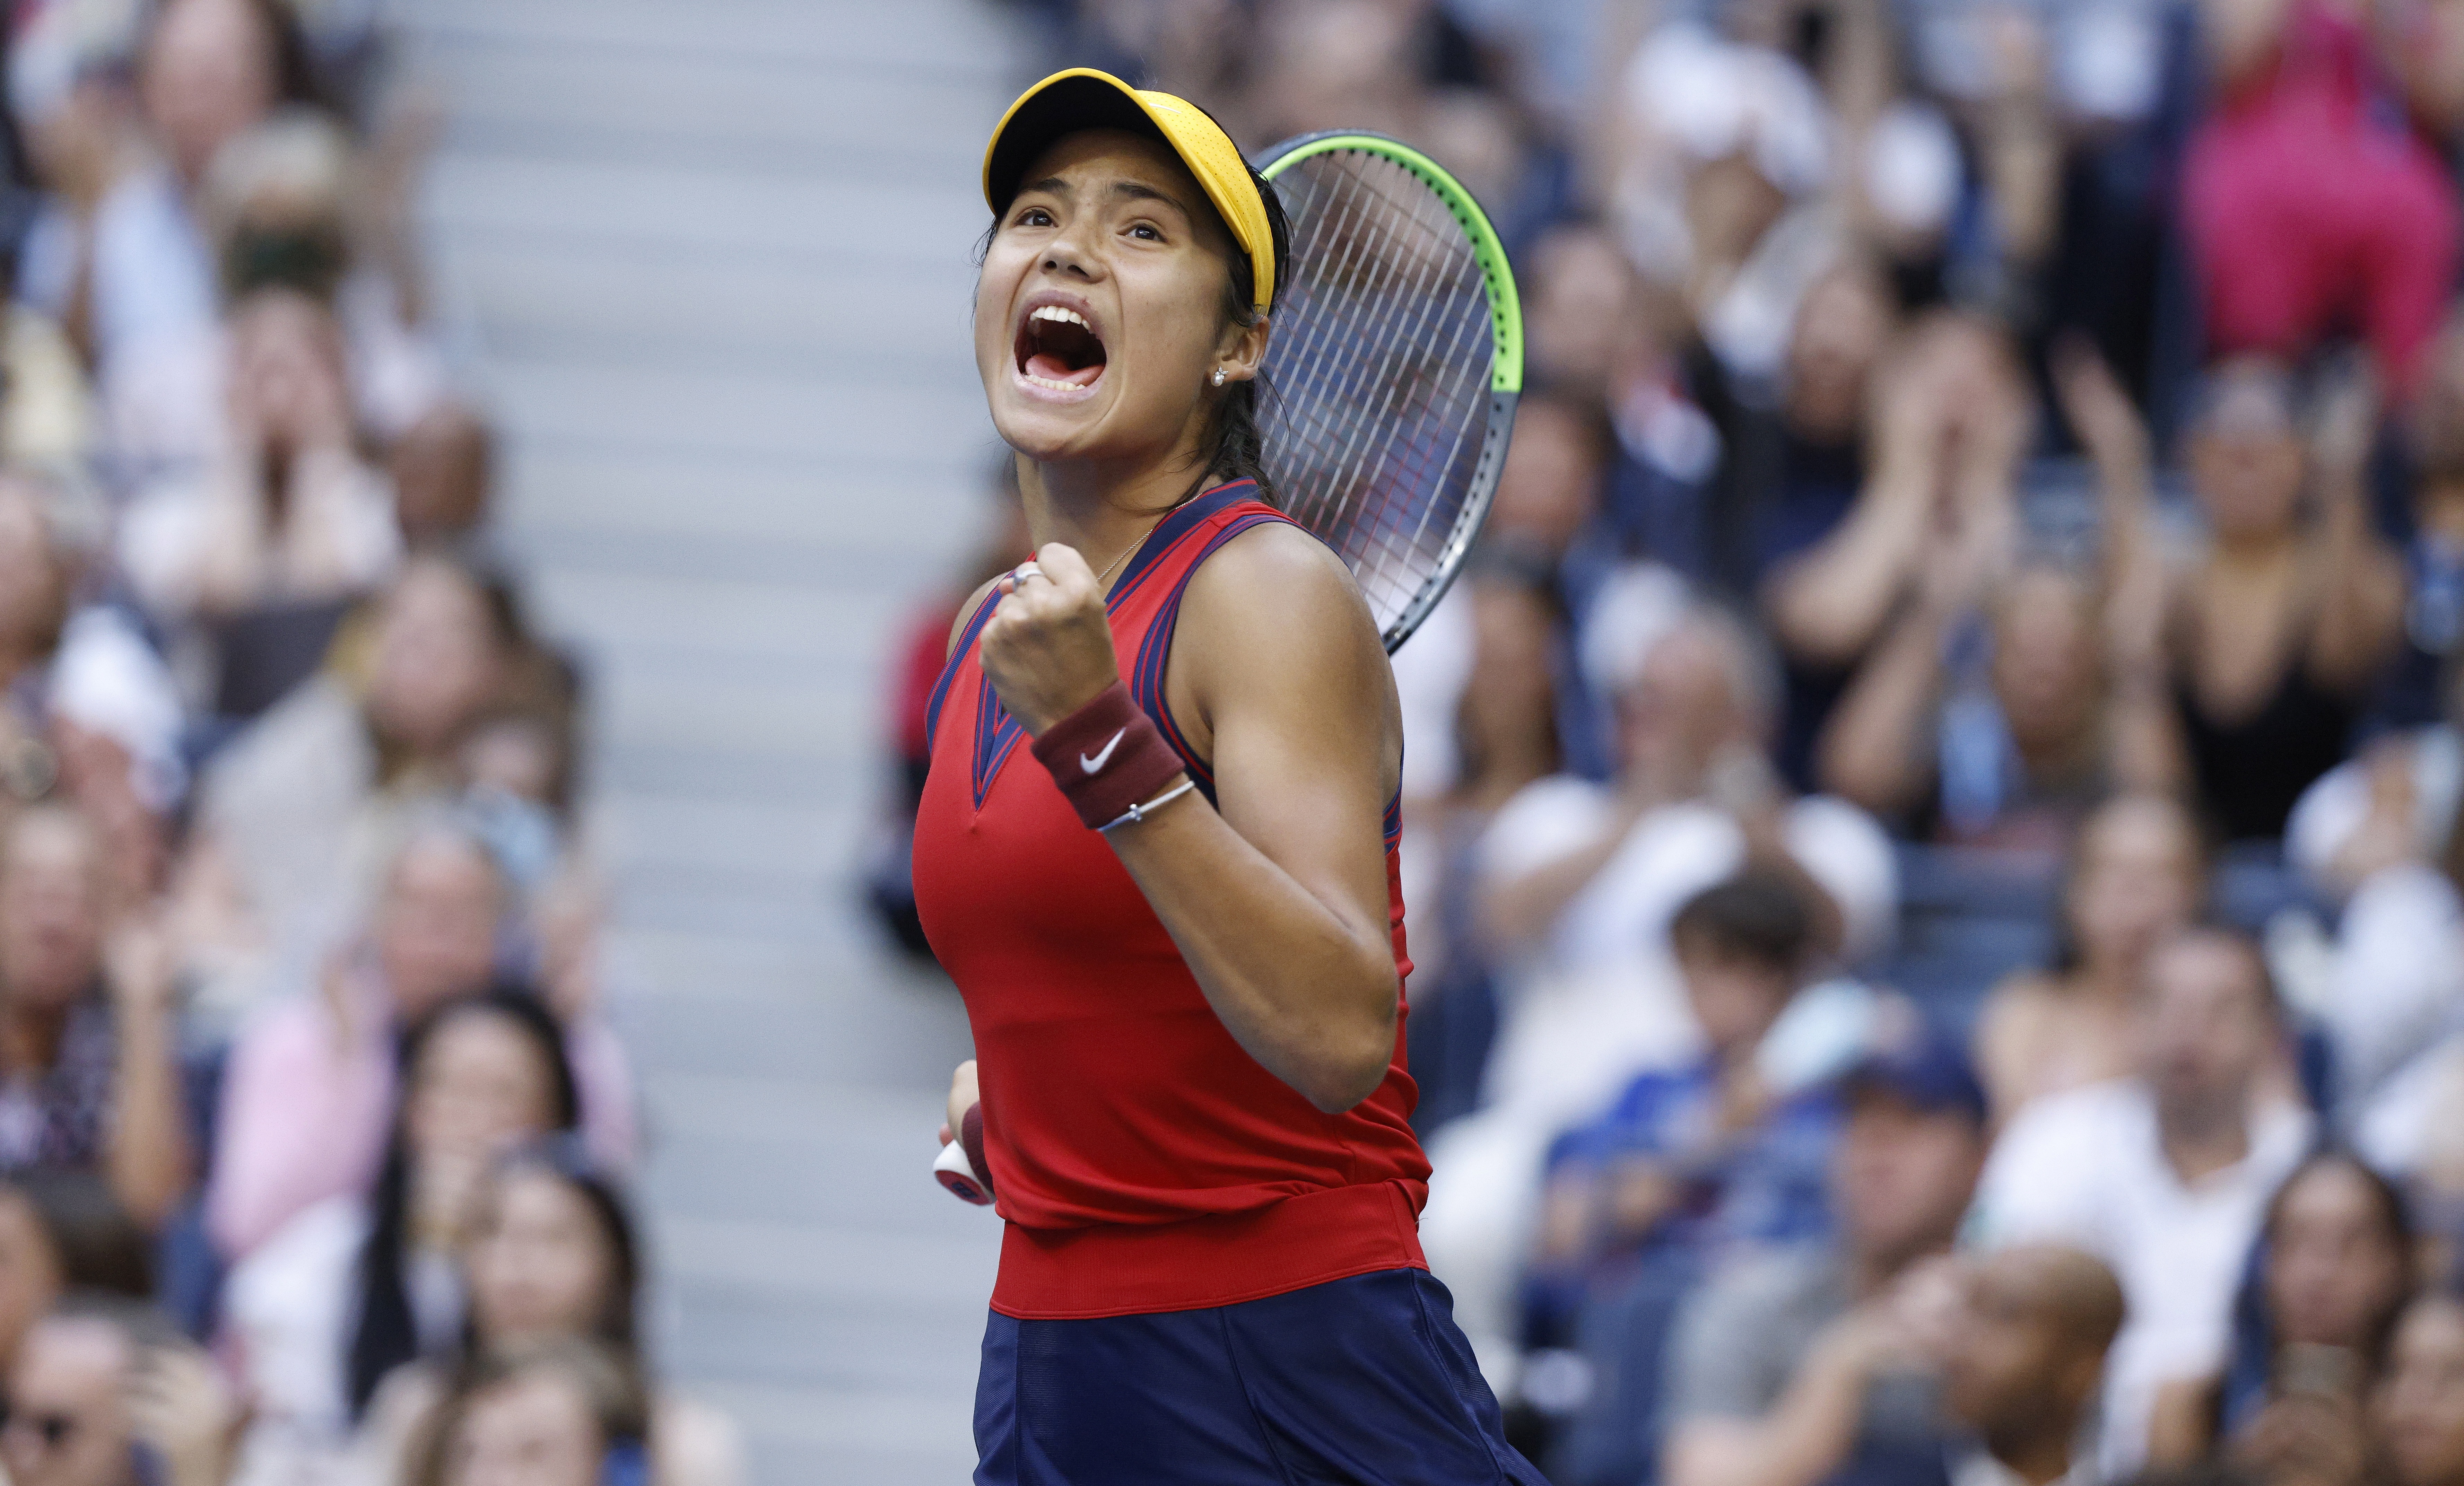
<point>1107,756</point>
<point>971,1139</point>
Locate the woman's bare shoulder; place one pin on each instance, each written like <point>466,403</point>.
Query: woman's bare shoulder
<point>1277,577</point>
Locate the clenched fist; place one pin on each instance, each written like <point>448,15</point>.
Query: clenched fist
<point>1048,649</point>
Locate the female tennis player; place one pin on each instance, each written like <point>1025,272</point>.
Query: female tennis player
<point>1174,913</point>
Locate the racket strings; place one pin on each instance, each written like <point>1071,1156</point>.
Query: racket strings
<point>1383,395</point>
<point>1398,379</point>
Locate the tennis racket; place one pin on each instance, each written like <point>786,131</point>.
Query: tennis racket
<point>1394,367</point>
<point>1391,380</point>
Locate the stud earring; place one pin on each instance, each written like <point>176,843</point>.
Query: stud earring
<point>1218,376</point>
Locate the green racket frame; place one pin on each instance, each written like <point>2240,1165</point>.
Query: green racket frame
<point>1506,333</point>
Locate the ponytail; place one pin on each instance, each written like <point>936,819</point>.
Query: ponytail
<point>1240,448</point>
<point>1237,447</point>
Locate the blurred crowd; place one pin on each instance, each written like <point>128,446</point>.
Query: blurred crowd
<point>1934,814</point>
<point>314,1132</point>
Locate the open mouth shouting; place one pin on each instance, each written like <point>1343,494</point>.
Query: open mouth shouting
<point>1057,350</point>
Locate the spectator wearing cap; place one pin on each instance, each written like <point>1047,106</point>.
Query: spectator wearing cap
<point>2164,1176</point>
<point>85,704</point>
<point>1755,1388</point>
<point>304,1099</point>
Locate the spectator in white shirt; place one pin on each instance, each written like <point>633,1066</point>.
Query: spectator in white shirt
<point>1578,882</point>
<point>2164,1176</point>
<point>2380,831</point>
<point>1580,879</point>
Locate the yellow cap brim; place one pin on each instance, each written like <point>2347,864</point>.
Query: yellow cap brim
<point>1082,98</point>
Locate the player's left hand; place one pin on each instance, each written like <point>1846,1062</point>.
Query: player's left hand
<point>1048,649</point>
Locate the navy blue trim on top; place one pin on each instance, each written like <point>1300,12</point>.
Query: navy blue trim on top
<point>1172,529</point>
<point>1154,651</point>
<point>997,731</point>
<point>1145,676</point>
<point>949,668</point>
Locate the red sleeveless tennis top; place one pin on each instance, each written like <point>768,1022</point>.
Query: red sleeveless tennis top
<point>1143,1161</point>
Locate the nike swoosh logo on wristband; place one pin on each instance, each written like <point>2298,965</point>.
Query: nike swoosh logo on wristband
<point>1095,765</point>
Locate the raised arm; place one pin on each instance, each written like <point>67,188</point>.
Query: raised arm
<point>148,1157</point>
<point>1515,910</point>
<point>1277,902</point>
<point>2144,746</point>
<point>1877,751</point>
<point>1808,1435</point>
<point>1828,602</point>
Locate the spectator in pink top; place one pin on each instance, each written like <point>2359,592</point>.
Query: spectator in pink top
<point>2310,206</point>
<point>305,1099</point>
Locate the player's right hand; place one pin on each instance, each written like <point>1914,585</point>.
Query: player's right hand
<point>963,1097</point>
<point>1048,649</point>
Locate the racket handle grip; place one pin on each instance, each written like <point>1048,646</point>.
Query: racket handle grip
<point>962,1168</point>
<point>957,1173</point>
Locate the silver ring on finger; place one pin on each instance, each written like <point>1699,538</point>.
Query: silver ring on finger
<point>1019,575</point>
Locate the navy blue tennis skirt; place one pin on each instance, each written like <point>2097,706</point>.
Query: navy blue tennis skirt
<point>1364,1380</point>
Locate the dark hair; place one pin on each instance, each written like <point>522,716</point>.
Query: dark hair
<point>2251,1364</point>
<point>95,1245</point>
<point>2393,1213</point>
<point>566,1159</point>
<point>1757,916</point>
<point>387,1334</point>
<point>1236,446</point>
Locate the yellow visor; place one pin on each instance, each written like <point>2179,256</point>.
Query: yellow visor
<point>1082,98</point>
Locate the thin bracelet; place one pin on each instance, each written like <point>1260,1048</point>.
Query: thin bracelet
<point>1137,813</point>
